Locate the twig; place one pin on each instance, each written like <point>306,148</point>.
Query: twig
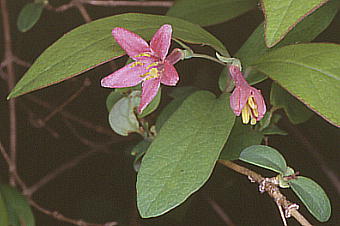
<point>56,172</point>
<point>267,185</point>
<point>165,4</point>
<point>69,100</point>
<point>332,176</point>
<point>9,57</point>
<point>226,219</point>
<point>70,116</point>
<point>83,11</point>
<point>61,217</point>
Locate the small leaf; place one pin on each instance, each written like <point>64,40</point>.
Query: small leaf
<point>313,196</point>
<point>265,157</point>
<point>92,44</point>
<point>310,72</point>
<point>122,116</point>
<point>20,209</point>
<point>182,156</point>
<point>152,106</point>
<point>241,137</point>
<point>207,12</point>
<point>3,212</point>
<point>282,16</point>
<point>112,98</point>
<point>29,16</point>
<point>295,110</point>
<point>139,151</point>
<point>273,129</point>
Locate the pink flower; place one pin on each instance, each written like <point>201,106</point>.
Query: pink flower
<point>152,66</point>
<point>246,99</point>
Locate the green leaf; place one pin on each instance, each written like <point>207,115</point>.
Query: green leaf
<point>179,93</point>
<point>313,196</point>
<point>207,12</point>
<point>29,16</point>
<point>282,16</point>
<point>92,44</point>
<point>265,157</point>
<point>152,106</point>
<point>273,129</point>
<point>310,72</point>
<point>112,98</point>
<point>18,204</point>
<point>295,110</point>
<point>241,137</point>
<point>3,212</point>
<point>305,31</point>
<point>122,116</point>
<point>182,156</point>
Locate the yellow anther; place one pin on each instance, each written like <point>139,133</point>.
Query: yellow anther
<point>153,73</point>
<point>246,114</point>
<point>252,121</point>
<point>152,65</point>
<point>135,64</point>
<point>143,54</point>
<point>256,112</point>
<point>252,103</point>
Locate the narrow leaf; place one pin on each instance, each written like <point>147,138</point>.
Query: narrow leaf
<point>310,72</point>
<point>265,157</point>
<point>29,16</point>
<point>207,12</point>
<point>295,110</point>
<point>17,203</point>
<point>313,196</point>
<point>281,16</point>
<point>92,44</point>
<point>181,158</point>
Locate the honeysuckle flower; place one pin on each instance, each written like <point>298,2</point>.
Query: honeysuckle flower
<point>246,99</point>
<point>151,64</point>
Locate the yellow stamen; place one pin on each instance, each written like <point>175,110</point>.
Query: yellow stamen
<point>246,114</point>
<point>153,73</point>
<point>143,54</point>
<point>152,65</point>
<point>256,112</point>
<point>136,63</point>
<point>252,103</point>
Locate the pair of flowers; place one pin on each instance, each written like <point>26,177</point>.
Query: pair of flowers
<point>152,66</point>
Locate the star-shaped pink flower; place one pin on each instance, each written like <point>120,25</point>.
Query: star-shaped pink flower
<point>246,99</point>
<point>151,64</point>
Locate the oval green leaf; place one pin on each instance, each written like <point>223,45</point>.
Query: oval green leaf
<point>282,16</point>
<point>181,158</point>
<point>29,16</point>
<point>295,110</point>
<point>265,157</point>
<point>92,44</point>
<point>207,12</point>
<point>112,98</point>
<point>313,197</point>
<point>17,203</point>
<point>310,72</point>
<point>122,116</point>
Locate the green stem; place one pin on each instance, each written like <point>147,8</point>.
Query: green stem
<point>208,58</point>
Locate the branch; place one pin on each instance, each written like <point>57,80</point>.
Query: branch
<point>165,4</point>
<point>9,58</point>
<point>267,185</point>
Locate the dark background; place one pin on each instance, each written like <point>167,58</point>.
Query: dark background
<point>102,187</point>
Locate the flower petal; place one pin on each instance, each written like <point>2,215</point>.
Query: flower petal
<point>160,42</point>
<point>170,76</point>
<point>132,43</point>
<point>149,91</point>
<point>261,105</point>
<point>128,76</point>
<point>175,56</point>
<point>239,98</point>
